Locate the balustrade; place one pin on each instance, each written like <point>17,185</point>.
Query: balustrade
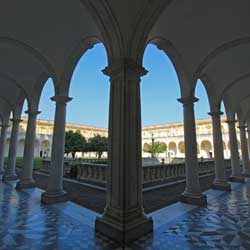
<point>151,174</point>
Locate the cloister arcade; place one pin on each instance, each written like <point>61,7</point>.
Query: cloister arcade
<point>207,40</point>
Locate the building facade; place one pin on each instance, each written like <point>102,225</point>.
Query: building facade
<point>172,134</point>
<point>44,132</point>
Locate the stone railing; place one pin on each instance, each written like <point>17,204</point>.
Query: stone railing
<point>151,174</point>
<point>47,163</point>
<point>154,174</point>
<point>162,172</point>
<point>89,172</point>
<point>85,160</point>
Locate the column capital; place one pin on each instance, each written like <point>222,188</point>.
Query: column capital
<point>61,99</point>
<point>125,66</point>
<point>231,121</point>
<point>215,113</point>
<point>187,100</point>
<point>32,112</point>
<point>15,120</point>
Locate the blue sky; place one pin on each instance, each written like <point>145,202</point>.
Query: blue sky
<point>90,91</point>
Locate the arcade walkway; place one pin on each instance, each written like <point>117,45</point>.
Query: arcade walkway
<point>25,224</point>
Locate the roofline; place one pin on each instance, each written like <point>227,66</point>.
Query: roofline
<point>157,126</point>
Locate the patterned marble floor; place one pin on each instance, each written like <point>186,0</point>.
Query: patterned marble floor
<point>25,224</point>
<point>223,224</point>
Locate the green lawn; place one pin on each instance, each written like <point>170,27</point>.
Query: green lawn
<point>37,165</point>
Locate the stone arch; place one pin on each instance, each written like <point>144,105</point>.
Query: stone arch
<point>172,149</point>
<point>45,148</point>
<point>34,100</point>
<point>145,23</point>
<point>181,147</point>
<point>74,56</point>
<point>183,75</point>
<point>9,105</point>
<point>230,85</point>
<point>206,149</point>
<point>208,95</point>
<point>23,93</point>
<point>212,55</point>
<point>36,54</point>
<point>108,27</point>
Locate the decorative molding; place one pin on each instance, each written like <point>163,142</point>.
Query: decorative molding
<point>61,99</point>
<point>125,66</point>
<point>187,100</point>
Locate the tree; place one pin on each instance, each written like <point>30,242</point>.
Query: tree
<point>74,142</point>
<point>147,148</point>
<point>159,147</point>
<point>98,144</point>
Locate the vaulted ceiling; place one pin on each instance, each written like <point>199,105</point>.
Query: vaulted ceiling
<point>207,39</point>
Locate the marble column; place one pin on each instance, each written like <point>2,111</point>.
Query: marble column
<point>10,171</point>
<point>244,151</point>
<point>220,182</point>
<point>235,159</point>
<point>124,219</point>
<point>193,193</point>
<point>2,146</point>
<point>26,179</point>
<point>54,192</point>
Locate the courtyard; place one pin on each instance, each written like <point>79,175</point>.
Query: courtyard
<point>125,81</point>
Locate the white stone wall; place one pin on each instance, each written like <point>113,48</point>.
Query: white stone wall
<point>171,134</point>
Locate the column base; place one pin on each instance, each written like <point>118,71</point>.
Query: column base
<point>223,186</point>
<point>53,197</point>
<point>25,184</point>
<point>198,200</point>
<point>237,178</point>
<point>9,177</point>
<point>124,233</point>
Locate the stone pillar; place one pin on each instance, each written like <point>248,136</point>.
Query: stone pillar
<point>54,192</point>
<point>124,219</point>
<point>2,146</point>
<point>192,193</point>
<point>10,171</point>
<point>220,182</point>
<point>235,159</point>
<point>244,151</point>
<point>26,179</point>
